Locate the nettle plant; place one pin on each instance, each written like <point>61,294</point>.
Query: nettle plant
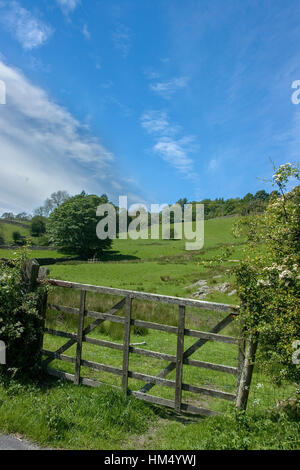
<point>268,277</point>
<point>20,321</point>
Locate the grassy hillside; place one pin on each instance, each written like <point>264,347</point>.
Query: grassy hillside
<point>161,266</point>
<point>7,231</point>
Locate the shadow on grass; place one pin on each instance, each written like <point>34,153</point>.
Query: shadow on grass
<point>43,383</point>
<point>106,257</point>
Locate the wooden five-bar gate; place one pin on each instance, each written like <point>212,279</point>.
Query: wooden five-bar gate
<point>243,370</point>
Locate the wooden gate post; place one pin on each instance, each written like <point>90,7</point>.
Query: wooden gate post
<point>31,275</point>
<point>241,354</point>
<point>79,337</point>
<point>246,373</point>
<point>126,344</point>
<point>179,357</point>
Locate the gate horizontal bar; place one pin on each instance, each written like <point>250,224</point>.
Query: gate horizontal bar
<point>145,296</point>
<point>209,392</point>
<point>171,404</point>
<point>212,366</point>
<point>211,336</point>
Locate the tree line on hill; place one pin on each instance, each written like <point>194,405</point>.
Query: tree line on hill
<point>251,203</point>
<point>51,222</point>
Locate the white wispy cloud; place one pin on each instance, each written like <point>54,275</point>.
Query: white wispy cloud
<point>30,31</point>
<point>158,122</point>
<point>169,144</point>
<point>176,152</point>
<point>43,148</point>
<point>86,32</point>
<point>212,165</point>
<point>68,6</point>
<point>168,88</point>
<point>121,38</point>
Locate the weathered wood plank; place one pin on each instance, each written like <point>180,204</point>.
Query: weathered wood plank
<point>241,355</point>
<point>154,354</point>
<point>61,357</point>
<point>89,313</point>
<point>31,274</point>
<point>96,383</point>
<point>126,344</point>
<point>79,336</point>
<point>170,404</point>
<point>155,326</point>
<point>60,374</point>
<point>211,366</point>
<point>64,309</point>
<point>152,399</point>
<point>233,309</point>
<point>209,391</point>
<point>105,344</point>
<point>179,357</point>
<point>211,336</point>
<point>247,371</point>
<point>104,367</point>
<point>151,379</point>
<point>62,334</point>
<point>199,411</point>
<point>107,316</point>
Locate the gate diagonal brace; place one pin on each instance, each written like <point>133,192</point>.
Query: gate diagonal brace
<point>197,345</point>
<point>86,331</point>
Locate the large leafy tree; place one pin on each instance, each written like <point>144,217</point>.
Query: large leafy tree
<point>72,226</point>
<point>38,226</point>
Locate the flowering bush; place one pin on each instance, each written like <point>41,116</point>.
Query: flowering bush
<point>268,278</point>
<point>20,321</point>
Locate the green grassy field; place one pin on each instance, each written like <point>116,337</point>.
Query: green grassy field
<point>33,254</point>
<point>62,415</point>
<point>160,266</point>
<point>7,231</point>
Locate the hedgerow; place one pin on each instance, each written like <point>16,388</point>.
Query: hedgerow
<point>268,278</point>
<point>21,322</point>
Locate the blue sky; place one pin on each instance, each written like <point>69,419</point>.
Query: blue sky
<point>154,99</point>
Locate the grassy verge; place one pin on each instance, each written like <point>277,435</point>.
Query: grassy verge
<point>60,415</point>
<point>56,414</point>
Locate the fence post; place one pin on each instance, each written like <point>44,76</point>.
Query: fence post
<point>31,274</point>
<point>241,354</point>
<point>79,337</point>
<point>247,371</point>
<point>179,357</point>
<point>126,345</point>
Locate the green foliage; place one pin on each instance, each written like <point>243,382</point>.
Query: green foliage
<point>43,240</point>
<point>249,204</point>
<point>268,278</point>
<point>2,240</point>
<point>38,226</point>
<point>72,226</point>
<point>17,238</point>
<point>20,322</point>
